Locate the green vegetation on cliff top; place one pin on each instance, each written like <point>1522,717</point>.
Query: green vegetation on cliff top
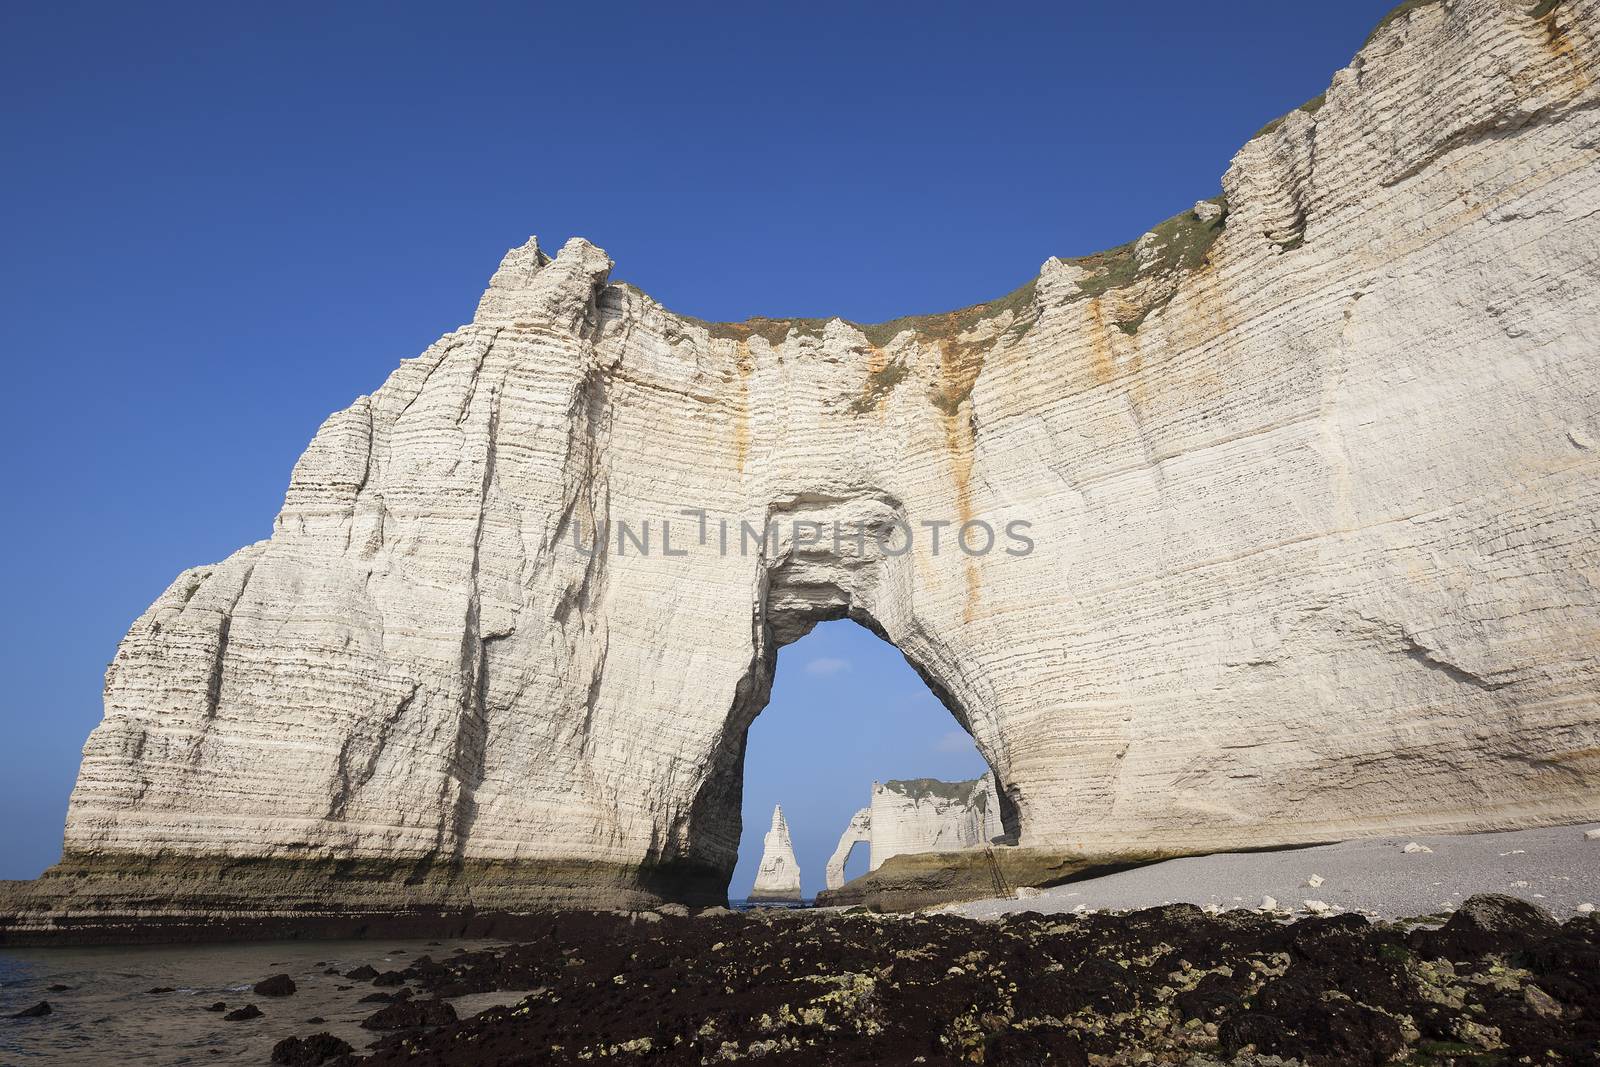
<point>1185,239</point>
<point>922,788</point>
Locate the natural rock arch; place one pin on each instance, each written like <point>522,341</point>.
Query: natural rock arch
<point>1311,471</point>
<point>922,815</point>
<point>806,585</point>
<point>857,832</point>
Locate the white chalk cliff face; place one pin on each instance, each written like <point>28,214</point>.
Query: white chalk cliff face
<point>920,815</point>
<point>778,877</point>
<point>857,832</point>
<point>1313,475</point>
<point>924,815</point>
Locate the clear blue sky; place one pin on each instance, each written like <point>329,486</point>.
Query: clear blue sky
<point>223,222</point>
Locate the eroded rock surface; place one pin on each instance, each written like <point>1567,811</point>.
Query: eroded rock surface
<point>1163,985</point>
<point>778,876</point>
<point>857,832</point>
<point>1311,473</point>
<point>920,815</point>
<point>926,815</point>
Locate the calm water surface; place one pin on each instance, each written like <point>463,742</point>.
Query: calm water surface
<point>108,1016</point>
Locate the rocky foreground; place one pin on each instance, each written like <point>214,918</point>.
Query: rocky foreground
<point>1499,982</point>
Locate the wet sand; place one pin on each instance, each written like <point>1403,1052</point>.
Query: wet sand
<point>109,1016</point>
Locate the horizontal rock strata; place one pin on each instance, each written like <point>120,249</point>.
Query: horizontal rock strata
<point>926,815</point>
<point>1309,475</point>
<point>920,815</point>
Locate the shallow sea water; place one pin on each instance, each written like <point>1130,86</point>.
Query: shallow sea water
<point>108,1016</point>
<point>779,905</point>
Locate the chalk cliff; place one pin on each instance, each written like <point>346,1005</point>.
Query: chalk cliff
<point>778,877</point>
<point>926,815</point>
<point>1311,474</point>
<point>857,832</point>
<point>920,815</point>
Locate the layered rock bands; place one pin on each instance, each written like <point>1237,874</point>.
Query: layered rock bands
<point>1307,484</point>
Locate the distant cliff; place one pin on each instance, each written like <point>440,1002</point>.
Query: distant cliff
<point>920,815</point>
<point>778,876</point>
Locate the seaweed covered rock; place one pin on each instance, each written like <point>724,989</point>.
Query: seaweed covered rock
<point>1488,922</point>
<point>408,1013</point>
<point>279,985</point>
<point>310,1051</point>
<point>796,989</point>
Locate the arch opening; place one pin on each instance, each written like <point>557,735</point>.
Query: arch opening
<point>804,584</point>
<point>855,862</point>
<point>850,726</point>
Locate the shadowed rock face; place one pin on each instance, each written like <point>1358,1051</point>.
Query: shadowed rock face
<point>1310,473</point>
